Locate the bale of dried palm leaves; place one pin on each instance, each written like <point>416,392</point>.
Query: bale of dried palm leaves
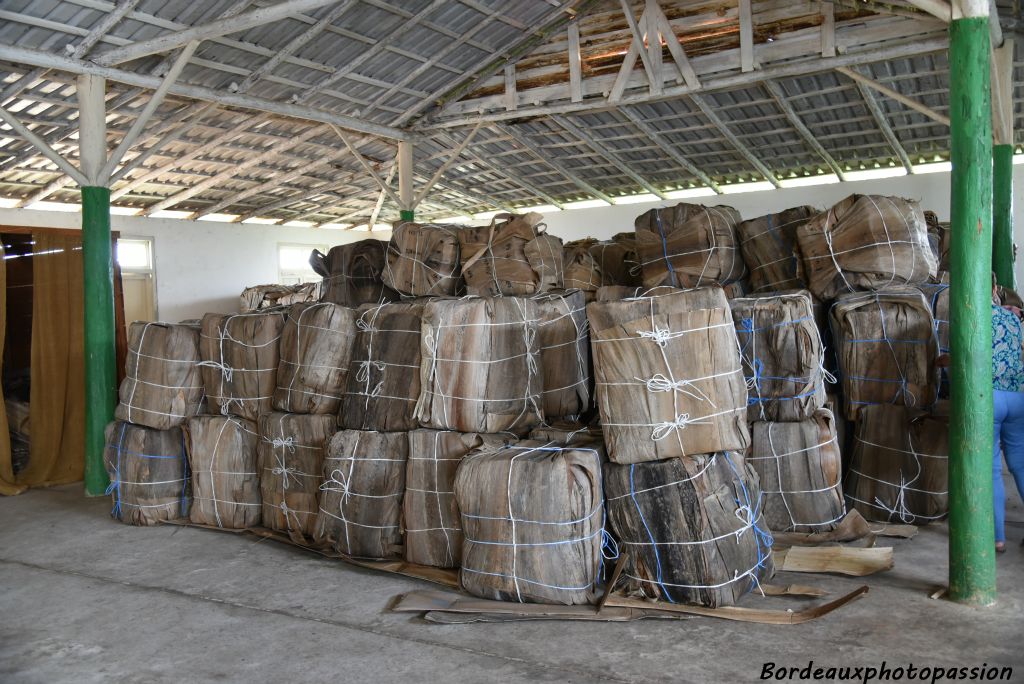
<point>259,297</point>
<point>532,516</point>
<point>360,503</point>
<point>581,271</point>
<point>898,472</point>
<point>149,475</point>
<point>800,469</point>
<point>316,347</point>
<point>423,260</point>
<point>669,381</point>
<point>689,245</point>
<point>783,355</point>
<point>353,273</point>
<point>481,369</point>
<point>513,257</point>
<point>865,242</point>
<point>384,373</point>
<point>618,260</point>
<point>886,347</point>
<point>240,354</point>
<point>163,385</point>
<point>291,456</point>
<point>937,296</point>
<point>769,249</point>
<point>225,475</point>
<point>691,528</point>
<point>432,528</point>
<point>564,340</point>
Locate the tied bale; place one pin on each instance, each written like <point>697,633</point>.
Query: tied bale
<point>618,260</point>
<point>581,271</point>
<point>898,473</point>
<point>384,375</point>
<point>866,242</point>
<point>162,385</point>
<point>564,339</point>
<point>423,260</point>
<point>259,297</point>
<point>481,369</point>
<point>668,375</point>
<point>514,257</point>
<point>886,348</point>
<point>149,475</point>
<point>291,456</point>
<point>691,528</point>
<point>316,347</point>
<point>352,273</point>
<point>533,519</point>
<point>225,475</point>
<point>783,356</point>
<point>240,355</point>
<point>433,530</point>
<point>769,249</point>
<point>360,504</point>
<point>800,469</point>
<point>689,245</point>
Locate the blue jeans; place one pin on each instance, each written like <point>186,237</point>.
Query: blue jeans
<point>1009,434</point>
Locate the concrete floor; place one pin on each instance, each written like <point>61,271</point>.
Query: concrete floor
<point>85,599</point>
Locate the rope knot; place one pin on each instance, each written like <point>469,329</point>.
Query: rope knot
<point>284,443</point>
<point>363,374</point>
<point>660,383</point>
<point>284,471</point>
<point>663,430</point>
<point>660,336</point>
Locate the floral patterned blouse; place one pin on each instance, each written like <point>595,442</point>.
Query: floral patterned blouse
<point>1007,356</point>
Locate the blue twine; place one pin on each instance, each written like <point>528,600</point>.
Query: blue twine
<point>747,324</point>
<point>664,247</point>
<point>760,535</point>
<point>115,483</point>
<point>657,557</point>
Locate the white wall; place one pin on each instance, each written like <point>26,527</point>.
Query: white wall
<point>201,266</point>
<point>931,190</point>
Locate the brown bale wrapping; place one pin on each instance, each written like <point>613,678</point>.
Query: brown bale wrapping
<point>240,354</point>
<point>800,468</point>
<point>352,273</point>
<point>316,347</point>
<point>499,259</point>
<point>886,348</point>
<point>691,528</point>
<point>689,245</point>
<point>225,475</point>
<point>783,356</point>
<point>384,376</point>
<point>148,470</point>
<point>360,504</point>
<point>937,296</point>
<point>899,468</point>
<point>481,367</point>
<point>668,375</point>
<point>581,271</point>
<point>618,260</point>
<point>564,340</point>
<point>769,249</point>
<point>865,242</point>
<point>423,260</point>
<point>163,385</point>
<point>291,456</point>
<point>564,433</point>
<point>432,528</point>
<point>533,518</point>
<point>260,297</point>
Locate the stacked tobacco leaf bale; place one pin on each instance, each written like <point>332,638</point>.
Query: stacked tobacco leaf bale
<point>682,501</point>
<point>867,257</point>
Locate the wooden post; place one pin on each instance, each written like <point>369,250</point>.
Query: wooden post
<point>972,576</point>
<point>98,285</point>
<point>407,210</point>
<point>1002,165</point>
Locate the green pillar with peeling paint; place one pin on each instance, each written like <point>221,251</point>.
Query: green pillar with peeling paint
<point>972,576</point>
<point>100,341</point>
<point>1002,215</point>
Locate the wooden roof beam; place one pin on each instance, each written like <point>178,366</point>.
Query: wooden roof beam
<point>745,152</point>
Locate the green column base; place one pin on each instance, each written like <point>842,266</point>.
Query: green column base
<point>972,570</point>
<point>1002,215</point>
<point>100,341</point>
<point>407,215</point>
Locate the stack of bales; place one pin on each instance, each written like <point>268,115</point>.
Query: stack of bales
<point>867,257</point>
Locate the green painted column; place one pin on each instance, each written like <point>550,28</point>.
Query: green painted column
<point>972,577</point>
<point>407,215</point>
<point>1002,215</point>
<point>100,351</point>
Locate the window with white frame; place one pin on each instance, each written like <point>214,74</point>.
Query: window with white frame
<point>138,278</point>
<point>293,264</point>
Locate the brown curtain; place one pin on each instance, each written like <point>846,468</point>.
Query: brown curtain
<point>57,406</point>
<point>7,484</point>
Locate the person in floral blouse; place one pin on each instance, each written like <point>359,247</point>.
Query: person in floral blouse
<point>1008,404</point>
